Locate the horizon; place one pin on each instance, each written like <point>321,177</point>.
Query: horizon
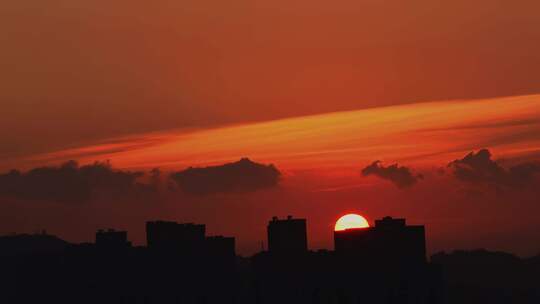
<point>228,113</point>
<point>264,246</point>
<point>324,160</point>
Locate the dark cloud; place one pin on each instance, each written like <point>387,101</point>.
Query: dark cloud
<point>479,168</point>
<point>240,176</point>
<point>399,176</point>
<point>70,182</point>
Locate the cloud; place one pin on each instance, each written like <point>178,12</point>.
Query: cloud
<point>526,122</point>
<point>402,177</point>
<point>479,168</point>
<point>240,176</point>
<point>105,147</point>
<point>70,182</point>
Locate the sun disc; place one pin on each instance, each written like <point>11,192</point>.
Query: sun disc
<point>351,221</point>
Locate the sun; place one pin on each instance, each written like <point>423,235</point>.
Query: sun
<point>351,221</point>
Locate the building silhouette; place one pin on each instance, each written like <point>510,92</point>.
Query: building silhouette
<point>112,239</point>
<point>390,242</point>
<point>287,236</point>
<point>180,264</point>
<point>382,264</point>
<point>162,235</point>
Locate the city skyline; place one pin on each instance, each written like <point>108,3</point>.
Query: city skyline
<point>181,263</point>
<point>383,263</point>
<point>98,194</point>
<point>284,236</point>
<point>404,137</point>
<point>322,91</point>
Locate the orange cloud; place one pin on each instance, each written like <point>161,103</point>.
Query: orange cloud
<point>420,134</point>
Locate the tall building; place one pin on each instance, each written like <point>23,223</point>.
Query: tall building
<point>111,238</point>
<point>188,238</point>
<point>391,241</point>
<point>175,236</point>
<point>287,236</point>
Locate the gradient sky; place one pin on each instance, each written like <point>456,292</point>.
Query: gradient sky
<point>319,89</point>
<point>77,71</point>
<point>419,134</point>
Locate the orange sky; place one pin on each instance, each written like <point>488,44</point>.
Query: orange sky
<point>73,72</point>
<point>423,134</point>
<point>321,157</point>
<point>319,88</point>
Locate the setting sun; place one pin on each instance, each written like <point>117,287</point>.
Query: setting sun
<point>351,221</point>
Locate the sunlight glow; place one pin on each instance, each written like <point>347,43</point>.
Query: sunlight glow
<point>351,221</point>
